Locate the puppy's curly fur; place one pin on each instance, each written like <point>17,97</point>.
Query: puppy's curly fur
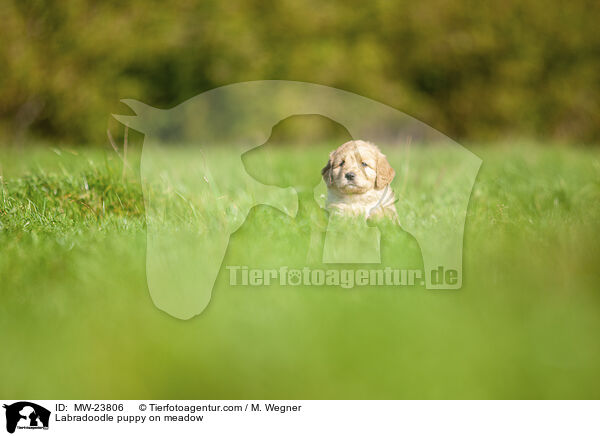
<point>358,178</point>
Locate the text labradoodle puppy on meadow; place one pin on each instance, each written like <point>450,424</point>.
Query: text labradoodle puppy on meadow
<point>358,178</point>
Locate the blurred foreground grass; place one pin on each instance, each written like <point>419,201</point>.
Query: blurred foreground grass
<point>77,321</point>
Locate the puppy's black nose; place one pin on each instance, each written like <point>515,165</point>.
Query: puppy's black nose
<point>349,176</point>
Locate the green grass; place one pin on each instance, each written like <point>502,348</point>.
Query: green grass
<point>77,321</point>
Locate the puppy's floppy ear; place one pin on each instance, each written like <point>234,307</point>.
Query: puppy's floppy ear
<point>385,172</point>
<point>326,171</point>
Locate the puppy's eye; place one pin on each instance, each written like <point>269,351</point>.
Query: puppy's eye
<point>342,163</point>
<point>364,164</point>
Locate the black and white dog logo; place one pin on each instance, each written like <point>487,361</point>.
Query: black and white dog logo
<point>26,415</point>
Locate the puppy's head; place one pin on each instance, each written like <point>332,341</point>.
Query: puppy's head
<point>357,167</point>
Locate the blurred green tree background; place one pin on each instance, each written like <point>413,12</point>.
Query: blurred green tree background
<point>474,70</point>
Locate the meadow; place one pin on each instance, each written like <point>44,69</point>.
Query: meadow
<point>77,320</point>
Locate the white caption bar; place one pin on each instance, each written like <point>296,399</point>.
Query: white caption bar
<point>301,417</point>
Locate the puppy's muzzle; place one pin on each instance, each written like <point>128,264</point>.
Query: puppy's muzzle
<point>350,176</point>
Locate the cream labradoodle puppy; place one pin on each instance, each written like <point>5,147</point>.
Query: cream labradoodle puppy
<point>358,178</point>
